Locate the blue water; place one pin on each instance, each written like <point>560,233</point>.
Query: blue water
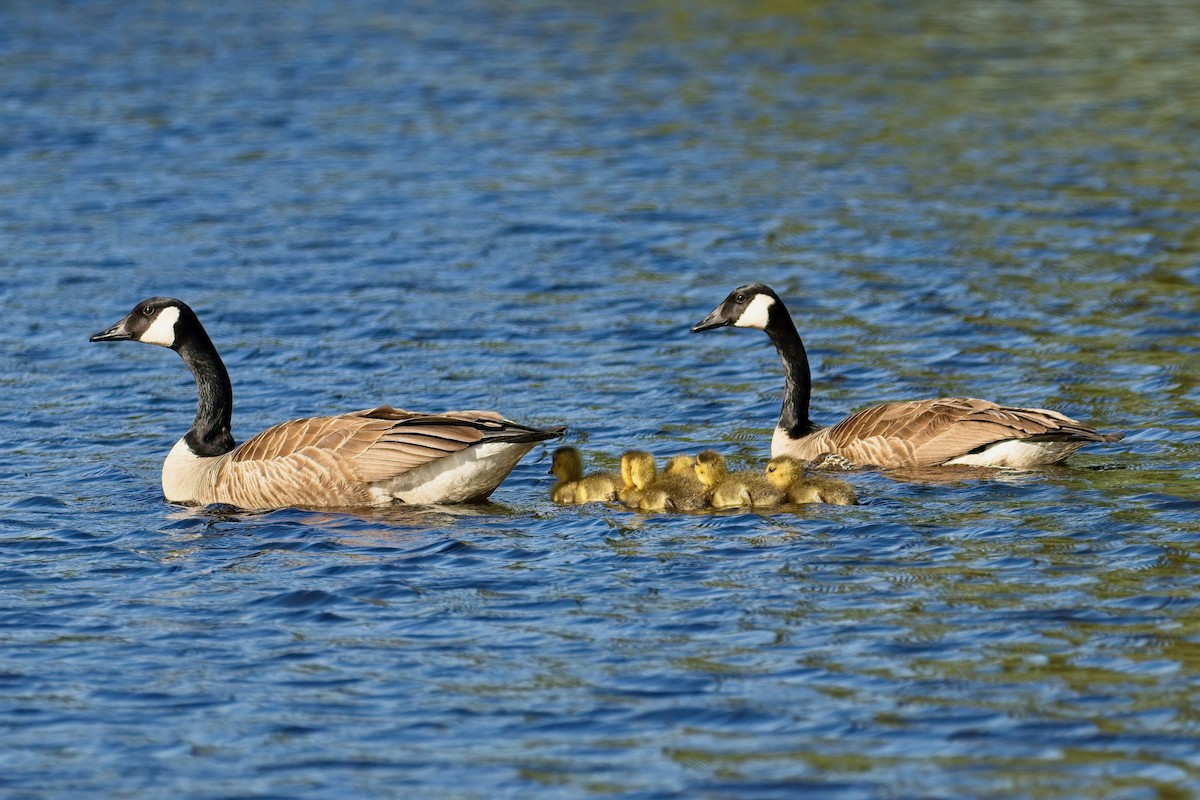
<point>524,206</point>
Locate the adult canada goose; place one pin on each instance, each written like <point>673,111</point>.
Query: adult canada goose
<point>732,489</point>
<point>369,457</point>
<point>917,433</point>
<point>789,475</point>
<point>573,486</point>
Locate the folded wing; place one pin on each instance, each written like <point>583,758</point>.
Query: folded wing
<point>331,461</point>
<point>923,433</point>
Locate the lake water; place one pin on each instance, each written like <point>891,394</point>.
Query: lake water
<point>524,206</point>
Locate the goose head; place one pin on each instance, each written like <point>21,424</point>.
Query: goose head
<point>163,321</point>
<point>749,306</point>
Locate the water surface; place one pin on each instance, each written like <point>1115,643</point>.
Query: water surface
<point>524,206</point>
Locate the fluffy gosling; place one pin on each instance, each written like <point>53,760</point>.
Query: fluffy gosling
<point>638,471</point>
<point>734,489</point>
<point>684,490</point>
<point>681,465</point>
<point>789,475</point>
<point>573,487</point>
<point>649,490</point>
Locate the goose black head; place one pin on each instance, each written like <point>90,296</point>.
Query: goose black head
<point>155,320</point>
<point>747,306</point>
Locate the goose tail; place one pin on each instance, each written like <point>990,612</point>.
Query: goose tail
<point>523,434</point>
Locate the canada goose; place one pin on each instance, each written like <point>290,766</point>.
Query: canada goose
<point>573,486</point>
<point>917,433</point>
<point>369,457</point>
<point>732,489</point>
<point>788,474</point>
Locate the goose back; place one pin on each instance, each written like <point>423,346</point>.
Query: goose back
<point>947,430</point>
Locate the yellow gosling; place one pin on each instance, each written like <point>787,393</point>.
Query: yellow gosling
<point>684,490</point>
<point>733,489</point>
<point>649,490</point>
<point>651,497</point>
<point>567,465</point>
<point>601,487</point>
<point>573,486</point>
<point>654,499</point>
<point>680,465</point>
<point>638,471</point>
<point>789,475</point>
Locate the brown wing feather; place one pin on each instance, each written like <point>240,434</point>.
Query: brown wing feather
<point>320,477</point>
<point>922,433</point>
<point>350,434</point>
<point>364,446</point>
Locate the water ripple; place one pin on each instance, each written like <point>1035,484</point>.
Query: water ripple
<point>525,207</point>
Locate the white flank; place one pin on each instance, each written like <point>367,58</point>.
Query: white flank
<point>780,441</point>
<point>757,314</point>
<point>470,474</point>
<point>184,472</point>
<point>162,330</point>
<point>1019,454</point>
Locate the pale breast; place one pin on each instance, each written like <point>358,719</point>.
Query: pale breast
<point>187,477</point>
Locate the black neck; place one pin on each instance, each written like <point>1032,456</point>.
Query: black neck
<point>797,389</point>
<point>210,432</point>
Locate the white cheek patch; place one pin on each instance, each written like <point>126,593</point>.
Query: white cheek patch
<point>757,314</point>
<point>162,330</point>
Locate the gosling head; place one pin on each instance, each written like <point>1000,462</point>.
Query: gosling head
<point>163,321</point>
<point>638,469</point>
<point>782,470</point>
<point>679,465</point>
<point>627,469</point>
<point>749,306</point>
<point>566,464</point>
<point>710,468</point>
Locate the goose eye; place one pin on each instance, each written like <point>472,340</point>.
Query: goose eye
<point>148,311</point>
<point>741,298</point>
